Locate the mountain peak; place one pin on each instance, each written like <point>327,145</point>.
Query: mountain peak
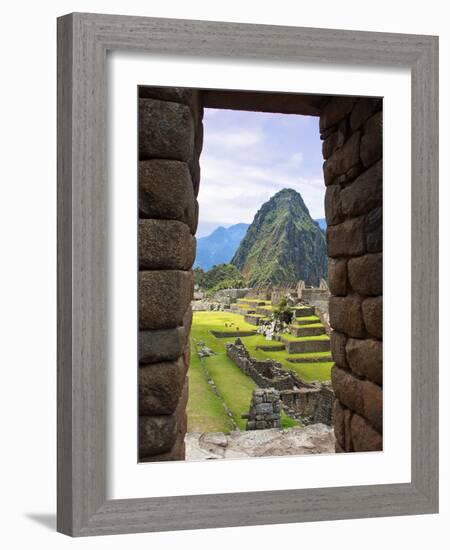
<point>283,244</point>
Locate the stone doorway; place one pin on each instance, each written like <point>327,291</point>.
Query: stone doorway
<point>170,143</point>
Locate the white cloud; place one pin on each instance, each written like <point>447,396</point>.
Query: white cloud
<point>235,139</point>
<point>232,191</point>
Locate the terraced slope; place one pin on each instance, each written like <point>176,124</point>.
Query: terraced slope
<point>217,385</point>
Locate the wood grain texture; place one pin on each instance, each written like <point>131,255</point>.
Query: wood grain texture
<point>83,40</point>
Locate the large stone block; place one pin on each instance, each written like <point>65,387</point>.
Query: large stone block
<point>165,244</point>
<point>333,205</point>
<point>364,108</point>
<point>161,345</point>
<point>160,386</point>
<point>338,342</point>
<point>334,140</point>
<point>372,140</point>
<point>346,315</point>
<point>335,111</point>
<point>374,230</point>
<point>194,165</point>
<point>166,192</point>
<point>164,297</point>
<point>342,432</point>
<point>342,160</point>
<point>166,130</point>
<point>361,396</point>
<point>187,96</point>
<point>372,309</point>
<point>365,358</point>
<point>365,274</point>
<point>175,431</point>
<point>346,238</point>
<point>337,276</point>
<point>157,434</point>
<point>364,437</point>
<point>187,321</point>
<point>364,194</point>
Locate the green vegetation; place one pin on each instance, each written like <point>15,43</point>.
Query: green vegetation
<point>218,277</point>
<point>283,312</point>
<point>205,409</point>
<point>293,338</point>
<point>283,244</point>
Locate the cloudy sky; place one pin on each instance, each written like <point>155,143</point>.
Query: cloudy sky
<point>247,157</point>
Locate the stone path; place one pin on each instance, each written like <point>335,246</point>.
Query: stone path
<point>312,439</point>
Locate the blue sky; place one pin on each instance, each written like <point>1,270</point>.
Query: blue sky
<point>247,157</point>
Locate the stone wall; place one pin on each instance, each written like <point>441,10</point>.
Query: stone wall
<point>265,410</point>
<point>170,141</point>
<point>351,129</point>
<point>312,404</point>
<point>309,402</point>
<point>266,374</point>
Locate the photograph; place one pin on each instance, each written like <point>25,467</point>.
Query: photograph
<point>260,274</point>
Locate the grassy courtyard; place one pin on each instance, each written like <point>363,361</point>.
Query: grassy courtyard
<point>207,408</point>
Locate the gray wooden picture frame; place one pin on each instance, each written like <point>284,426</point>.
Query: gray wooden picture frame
<point>83,41</point>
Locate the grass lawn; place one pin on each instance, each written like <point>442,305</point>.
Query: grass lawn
<point>291,337</point>
<point>205,410</point>
<point>234,387</point>
<point>312,371</point>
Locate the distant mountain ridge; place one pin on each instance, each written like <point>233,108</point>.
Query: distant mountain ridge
<point>220,246</point>
<point>283,244</point>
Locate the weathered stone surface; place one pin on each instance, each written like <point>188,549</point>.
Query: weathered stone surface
<point>338,448</point>
<point>157,434</point>
<point>372,140</point>
<point>333,205</point>
<point>346,315</point>
<point>338,342</point>
<point>187,96</point>
<point>161,345</point>
<point>360,396</point>
<point>167,93</point>
<point>372,309</point>
<point>334,140</point>
<point>365,274</point>
<point>342,160</point>
<point>364,108</point>
<point>337,276</point>
<point>194,165</point>
<point>364,194</point>
<point>187,320</point>
<point>165,244</point>
<point>335,111</point>
<point>164,297</point>
<point>365,358</point>
<point>160,386</point>
<point>166,130</point>
<point>342,432</point>
<point>374,230</point>
<point>177,449</point>
<point>346,238</point>
<point>166,192</point>
<point>364,437</point>
<point>195,169</point>
<point>312,439</point>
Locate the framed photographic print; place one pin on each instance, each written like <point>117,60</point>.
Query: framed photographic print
<point>247,274</point>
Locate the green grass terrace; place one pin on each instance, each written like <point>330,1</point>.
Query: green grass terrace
<point>217,386</point>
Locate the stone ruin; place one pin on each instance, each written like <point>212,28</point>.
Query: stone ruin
<point>265,410</point>
<point>266,374</point>
<point>309,402</point>
<point>170,142</point>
